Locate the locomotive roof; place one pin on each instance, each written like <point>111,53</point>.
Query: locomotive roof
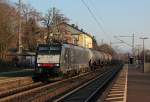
<point>72,46</point>
<point>49,44</point>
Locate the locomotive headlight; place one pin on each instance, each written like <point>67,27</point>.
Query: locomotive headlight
<point>39,65</point>
<point>57,65</point>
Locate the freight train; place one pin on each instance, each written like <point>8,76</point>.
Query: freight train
<point>67,59</point>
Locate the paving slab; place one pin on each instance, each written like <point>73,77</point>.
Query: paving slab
<point>138,88</point>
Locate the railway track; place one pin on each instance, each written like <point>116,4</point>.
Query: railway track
<point>45,92</point>
<point>118,89</point>
<point>88,91</point>
<point>28,84</point>
<point>19,89</point>
<point>14,79</point>
<point>41,92</point>
<point>11,83</point>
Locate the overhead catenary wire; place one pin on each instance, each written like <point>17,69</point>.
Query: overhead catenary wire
<point>93,8</point>
<point>100,18</point>
<point>94,17</point>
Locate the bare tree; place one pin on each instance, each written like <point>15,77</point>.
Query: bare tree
<point>106,48</point>
<point>52,21</point>
<point>30,27</point>
<point>8,26</point>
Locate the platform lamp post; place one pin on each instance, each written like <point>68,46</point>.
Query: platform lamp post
<point>138,53</point>
<point>143,39</point>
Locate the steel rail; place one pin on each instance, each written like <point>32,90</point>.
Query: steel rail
<point>14,83</point>
<point>19,89</point>
<point>71,83</point>
<point>87,91</point>
<point>23,93</point>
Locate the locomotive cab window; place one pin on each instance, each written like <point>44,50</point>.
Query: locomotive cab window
<point>49,50</point>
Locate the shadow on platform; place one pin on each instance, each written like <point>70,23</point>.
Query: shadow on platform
<point>138,85</point>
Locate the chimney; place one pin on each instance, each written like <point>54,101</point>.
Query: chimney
<point>73,25</point>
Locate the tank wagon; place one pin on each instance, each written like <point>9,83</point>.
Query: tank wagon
<point>55,59</point>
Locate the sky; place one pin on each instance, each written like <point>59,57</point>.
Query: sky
<point>116,17</point>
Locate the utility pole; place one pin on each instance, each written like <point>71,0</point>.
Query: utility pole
<point>110,43</point>
<point>143,38</point>
<point>102,41</point>
<point>55,31</point>
<point>19,32</point>
<point>133,45</point>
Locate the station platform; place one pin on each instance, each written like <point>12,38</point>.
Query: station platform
<point>16,73</point>
<point>138,87</point>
